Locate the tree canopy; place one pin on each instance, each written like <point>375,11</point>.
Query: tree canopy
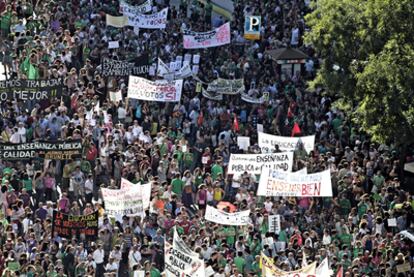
<point>367,52</point>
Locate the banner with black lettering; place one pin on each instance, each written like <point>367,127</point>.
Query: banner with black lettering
<point>138,67</point>
<point>30,89</point>
<point>130,10</point>
<point>69,226</point>
<point>268,142</point>
<point>236,219</point>
<point>149,21</point>
<point>226,86</point>
<point>217,37</point>
<point>253,163</point>
<point>60,150</point>
<point>180,261</point>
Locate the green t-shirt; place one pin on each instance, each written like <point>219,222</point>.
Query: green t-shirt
<point>5,21</point>
<point>163,149</point>
<point>283,236</point>
<point>155,272</point>
<point>188,158</point>
<point>345,205</point>
<point>240,263</point>
<point>345,239</point>
<point>362,209</point>
<point>178,154</point>
<point>27,184</point>
<point>177,186</point>
<point>230,233</point>
<point>216,169</point>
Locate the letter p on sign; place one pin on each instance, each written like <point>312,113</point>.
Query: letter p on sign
<point>252,27</point>
<point>254,24</point>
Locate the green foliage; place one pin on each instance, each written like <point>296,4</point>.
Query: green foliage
<point>367,48</point>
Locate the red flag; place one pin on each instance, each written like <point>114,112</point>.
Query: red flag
<point>296,129</point>
<point>235,124</point>
<point>340,272</point>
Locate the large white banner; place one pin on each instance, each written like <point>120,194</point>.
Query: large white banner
<point>278,183</point>
<point>149,21</point>
<point>120,202</point>
<point>179,263</point>
<point>145,191</point>
<point>253,163</point>
<point>268,142</point>
<point>161,91</point>
<point>220,217</point>
<point>168,74</point>
<point>217,37</point>
<point>131,11</point>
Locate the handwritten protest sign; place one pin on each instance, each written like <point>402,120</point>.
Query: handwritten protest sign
<point>120,202</point>
<point>253,163</point>
<point>278,183</point>
<point>179,263</point>
<point>149,21</point>
<point>69,226</point>
<point>236,219</point>
<point>268,142</point>
<point>130,10</point>
<point>217,37</point>
<point>145,191</point>
<point>161,91</point>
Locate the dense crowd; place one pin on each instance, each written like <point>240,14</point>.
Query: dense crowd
<point>183,149</point>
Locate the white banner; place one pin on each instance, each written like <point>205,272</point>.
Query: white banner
<point>115,96</point>
<point>145,190</point>
<point>211,96</point>
<point>249,99</point>
<point>120,202</point>
<point>253,163</point>
<point>167,73</point>
<point>220,217</point>
<point>217,37</point>
<point>178,263</point>
<point>274,224</point>
<point>226,86</point>
<point>149,21</point>
<point>131,11</point>
<point>268,142</point>
<point>161,91</point>
<point>278,183</point>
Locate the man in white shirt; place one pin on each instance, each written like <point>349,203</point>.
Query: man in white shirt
<point>134,256</point>
<point>111,266</point>
<point>98,257</point>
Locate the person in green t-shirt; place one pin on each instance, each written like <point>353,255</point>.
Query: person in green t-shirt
<point>345,205</point>
<point>230,233</point>
<point>27,184</point>
<point>217,169</point>
<point>188,160</point>
<point>240,262</point>
<point>5,22</point>
<point>177,184</point>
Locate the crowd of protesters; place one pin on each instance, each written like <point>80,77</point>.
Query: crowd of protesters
<point>183,149</point>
